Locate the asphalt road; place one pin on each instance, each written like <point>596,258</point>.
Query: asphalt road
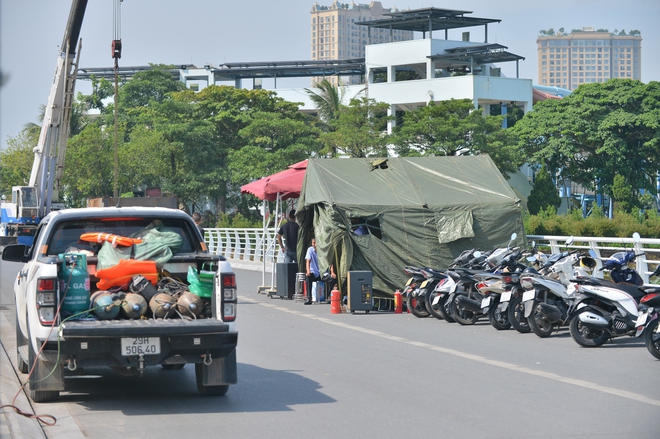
<point>304,372</point>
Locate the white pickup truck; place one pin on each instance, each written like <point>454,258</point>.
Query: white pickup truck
<point>51,346</point>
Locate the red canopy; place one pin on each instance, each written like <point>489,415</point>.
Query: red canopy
<point>287,183</point>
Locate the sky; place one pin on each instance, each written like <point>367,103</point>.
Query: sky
<point>215,32</point>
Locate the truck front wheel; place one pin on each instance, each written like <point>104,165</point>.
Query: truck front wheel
<point>20,342</point>
<point>208,390</point>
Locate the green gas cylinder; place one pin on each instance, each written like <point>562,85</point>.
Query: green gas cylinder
<point>74,283</point>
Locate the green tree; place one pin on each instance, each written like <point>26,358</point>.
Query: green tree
<point>544,194</point>
<point>88,170</point>
<point>147,86</point>
<point>359,131</point>
<point>623,194</point>
<point>16,161</point>
<point>597,132</point>
<point>327,101</point>
<point>454,127</point>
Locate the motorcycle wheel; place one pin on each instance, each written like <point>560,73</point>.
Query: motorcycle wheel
<point>584,335</point>
<point>516,313</point>
<point>419,310</point>
<point>433,309</point>
<point>445,310</point>
<point>653,339</point>
<point>461,314</point>
<point>498,319</point>
<point>539,324</point>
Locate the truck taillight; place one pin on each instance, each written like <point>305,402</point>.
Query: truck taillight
<point>228,282</point>
<point>46,300</point>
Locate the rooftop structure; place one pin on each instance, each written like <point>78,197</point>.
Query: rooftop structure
<point>404,74</point>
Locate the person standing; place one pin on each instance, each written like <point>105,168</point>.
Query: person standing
<point>197,217</point>
<point>290,233</point>
<point>312,272</point>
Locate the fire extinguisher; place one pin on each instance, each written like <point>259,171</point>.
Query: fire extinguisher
<point>398,302</point>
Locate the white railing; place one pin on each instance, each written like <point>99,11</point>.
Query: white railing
<point>649,247</point>
<point>248,245</point>
<point>244,244</point>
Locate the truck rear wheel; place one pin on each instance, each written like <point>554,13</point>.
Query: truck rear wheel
<point>40,395</point>
<point>208,390</point>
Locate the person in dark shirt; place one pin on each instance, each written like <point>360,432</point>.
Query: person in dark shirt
<point>197,217</point>
<point>290,233</point>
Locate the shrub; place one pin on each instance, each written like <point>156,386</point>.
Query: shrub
<point>547,222</point>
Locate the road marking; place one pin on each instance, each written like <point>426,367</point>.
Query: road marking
<point>504,365</point>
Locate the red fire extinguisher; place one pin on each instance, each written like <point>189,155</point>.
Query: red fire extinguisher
<point>398,302</point>
<point>335,301</point>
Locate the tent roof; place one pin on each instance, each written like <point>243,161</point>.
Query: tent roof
<point>287,183</point>
<point>423,182</point>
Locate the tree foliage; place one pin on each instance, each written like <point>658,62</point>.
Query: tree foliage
<point>359,130</point>
<point>16,161</point>
<point>544,194</point>
<point>327,101</point>
<point>455,127</point>
<point>599,131</point>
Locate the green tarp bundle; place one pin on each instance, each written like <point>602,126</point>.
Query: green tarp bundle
<point>420,211</point>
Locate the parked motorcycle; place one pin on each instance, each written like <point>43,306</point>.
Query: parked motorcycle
<point>410,292</point>
<point>648,322</point>
<point>494,288</point>
<point>548,296</point>
<point>511,300</point>
<point>443,284</point>
<point>466,302</point>
<point>602,311</point>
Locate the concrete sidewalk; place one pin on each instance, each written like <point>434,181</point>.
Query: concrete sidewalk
<point>15,426</point>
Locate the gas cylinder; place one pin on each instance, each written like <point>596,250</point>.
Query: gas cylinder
<point>190,305</point>
<point>335,301</point>
<point>134,306</point>
<point>106,305</point>
<point>74,283</point>
<point>398,302</point>
<point>162,305</point>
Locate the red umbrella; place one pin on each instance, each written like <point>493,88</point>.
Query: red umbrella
<point>287,183</point>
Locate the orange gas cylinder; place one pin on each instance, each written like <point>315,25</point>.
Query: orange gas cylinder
<point>398,302</point>
<point>335,301</point>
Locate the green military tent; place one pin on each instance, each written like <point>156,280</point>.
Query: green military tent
<point>420,211</point>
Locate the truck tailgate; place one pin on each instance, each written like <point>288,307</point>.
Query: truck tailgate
<point>142,328</point>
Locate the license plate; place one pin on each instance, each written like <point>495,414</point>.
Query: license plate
<point>505,297</point>
<point>424,283</point>
<point>409,280</point>
<point>528,295</point>
<point>485,302</point>
<point>641,320</point>
<point>436,299</point>
<point>140,345</point>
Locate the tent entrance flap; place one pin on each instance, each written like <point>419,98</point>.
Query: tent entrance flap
<point>453,226</point>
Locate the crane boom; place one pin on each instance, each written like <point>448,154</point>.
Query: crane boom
<point>33,202</point>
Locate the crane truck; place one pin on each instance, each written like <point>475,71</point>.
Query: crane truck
<point>29,204</point>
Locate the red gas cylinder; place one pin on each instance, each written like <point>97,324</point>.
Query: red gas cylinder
<point>398,302</point>
<point>335,301</point>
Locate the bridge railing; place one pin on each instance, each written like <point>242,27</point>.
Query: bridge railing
<point>255,245</point>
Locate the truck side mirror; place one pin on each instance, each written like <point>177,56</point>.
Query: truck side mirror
<point>15,253</point>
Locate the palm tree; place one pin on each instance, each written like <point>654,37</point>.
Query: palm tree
<point>327,101</point>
